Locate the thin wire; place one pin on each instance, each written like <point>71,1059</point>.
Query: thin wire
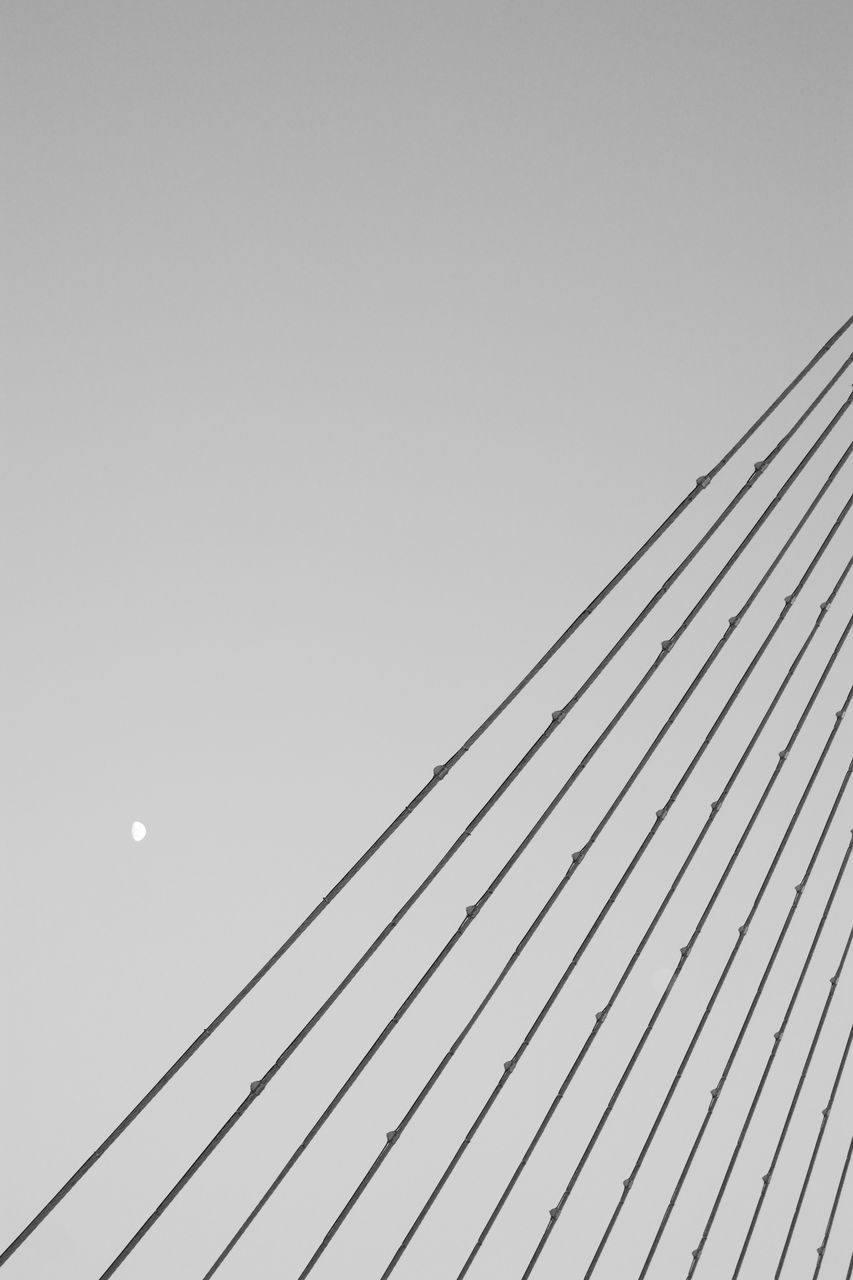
<point>768,1067</point>
<point>815,1149</point>
<point>557,717</point>
<point>439,773</point>
<point>685,952</point>
<point>717,1090</point>
<point>473,911</point>
<point>765,1181</point>
<point>821,1249</point>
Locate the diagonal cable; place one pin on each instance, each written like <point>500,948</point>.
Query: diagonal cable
<point>556,718</point>
<point>821,1249</point>
<point>439,773</point>
<point>572,964</point>
<point>472,911</point>
<point>568,1079</point>
<point>718,1088</point>
<point>825,1113</point>
<point>768,1067</point>
<point>765,1181</point>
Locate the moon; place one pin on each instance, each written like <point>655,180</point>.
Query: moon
<point>137,831</point>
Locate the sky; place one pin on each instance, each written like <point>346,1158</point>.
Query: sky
<point>347,352</point>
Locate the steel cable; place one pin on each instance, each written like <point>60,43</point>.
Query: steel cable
<point>717,1090</point>
<point>783,755</point>
<point>821,1249</point>
<point>439,773</point>
<point>473,911</point>
<point>766,1178</point>
<point>825,1113</point>
<point>768,1067</point>
<point>557,717</point>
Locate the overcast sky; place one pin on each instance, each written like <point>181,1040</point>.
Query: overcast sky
<point>348,351</point>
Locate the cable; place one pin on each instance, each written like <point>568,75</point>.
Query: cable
<point>557,717</point>
<point>568,1079</point>
<point>716,1091</point>
<point>768,1066</point>
<point>439,773</point>
<point>816,1148</point>
<point>765,1181</point>
<point>472,911</point>
<point>821,1249</point>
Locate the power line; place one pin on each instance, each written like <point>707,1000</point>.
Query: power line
<point>557,717</point>
<point>474,910</point>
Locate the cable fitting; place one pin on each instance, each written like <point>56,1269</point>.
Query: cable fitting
<point>661,813</point>
<point>558,716</point>
<point>257,1086</point>
<point>798,888</point>
<point>820,1250</point>
<point>685,951</point>
<point>825,1112</point>
<point>509,1066</point>
<point>578,856</point>
<point>471,911</point>
<point>601,1015</point>
<point>777,1035</point>
<point>765,1178</point>
<point>715,1092</point>
<point>824,608</point>
<point>760,466</point>
<point>715,805</point>
<point>734,621</point>
<point>742,929</point>
<point>833,981</point>
<point>391,1137</point>
<point>702,482</point>
<point>789,599</point>
<point>628,1182</point>
<point>839,715</point>
<point>554,1213</point>
<point>783,755</point>
<point>666,645</point>
<point>440,771</point>
<point>696,1254</point>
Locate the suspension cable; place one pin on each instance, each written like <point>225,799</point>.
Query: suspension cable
<point>472,911</point>
<point>825,1113</point>
<point>557,717</point>
<point>567,1081</point>
<point>768,1067</point>
<point>717,1090</point>
<point>765,1180</point>
<point>821,1249</point>
<point>572,964</point>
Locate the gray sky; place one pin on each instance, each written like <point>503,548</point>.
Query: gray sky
<point>348,350</point>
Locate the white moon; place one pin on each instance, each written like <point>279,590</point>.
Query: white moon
<point>137,830</point>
